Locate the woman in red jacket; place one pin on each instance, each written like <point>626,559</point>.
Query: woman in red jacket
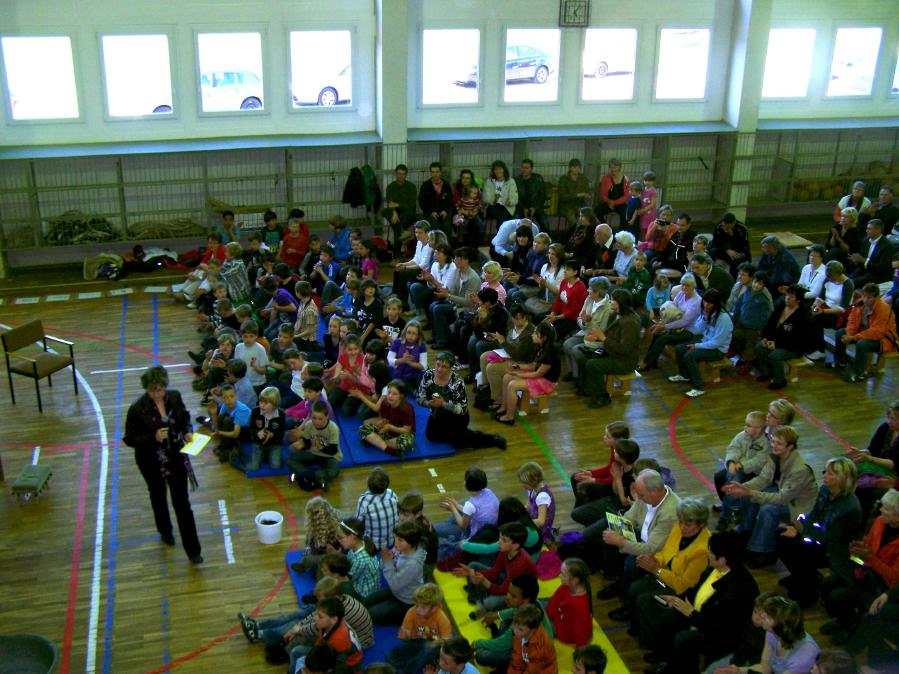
<point>871,327</point>
<point>569,302</point>
<point>880,554</point>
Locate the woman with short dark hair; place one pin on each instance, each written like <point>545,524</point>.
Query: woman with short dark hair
<point>158,426</point>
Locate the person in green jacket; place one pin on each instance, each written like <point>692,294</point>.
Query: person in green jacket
<point>496,653</point>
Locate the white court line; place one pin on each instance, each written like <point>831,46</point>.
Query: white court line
<point>36,455</point>
<point>90,296</point>
<point>226,531</point>
<point>155,289</point>
<point>57,298</point>
<point>120,291</point>
<point>440,488</point>
<point>91,656</point>
<point>432,472</point>
<point>135,369</point>
<point>27,300</point>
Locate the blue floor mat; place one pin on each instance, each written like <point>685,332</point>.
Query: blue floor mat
<point>363,454</point>
<point>303,583</point>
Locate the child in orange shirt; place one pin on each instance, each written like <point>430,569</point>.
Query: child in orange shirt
<point>332,630</point>
<point>532,649</point>
<point>425,628</point>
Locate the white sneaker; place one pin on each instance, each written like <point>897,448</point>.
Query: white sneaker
<point>676,378</point>
<point>694,393</point>
<point>816,355</point>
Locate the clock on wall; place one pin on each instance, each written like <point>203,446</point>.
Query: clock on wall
<point>574,13</point>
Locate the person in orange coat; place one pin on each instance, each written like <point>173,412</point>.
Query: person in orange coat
<point>532,650</point>
<point>333,630</point>
<point>879,551</point>
<point>871,327</point>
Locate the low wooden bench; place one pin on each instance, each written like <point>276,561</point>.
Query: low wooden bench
<point>713,368</point>
<point>538,405</point>
<point>877,365</point>
<point>622,382</point>
<point>792,367</point>
<point>31,481</point>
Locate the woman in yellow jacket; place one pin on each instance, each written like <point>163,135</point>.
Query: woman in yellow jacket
<point>678,565</point>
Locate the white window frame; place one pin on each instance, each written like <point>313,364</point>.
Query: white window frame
<point>811,72</point>
<point>420,68</point>
<point>79,88</point>
<point>875,76</point>
<point>560,68</point>
<point>658,53</point>
<point>355,61</point>
<point>611,101</point>
<point>262,29</point>
<point>173,73</point>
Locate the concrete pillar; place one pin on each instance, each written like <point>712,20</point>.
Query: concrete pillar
<point>391,59</point>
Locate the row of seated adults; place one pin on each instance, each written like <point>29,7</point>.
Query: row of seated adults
<point>700,580</point>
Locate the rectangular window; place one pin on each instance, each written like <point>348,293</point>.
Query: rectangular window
<point>788,63</point>
<point>532,64</point>
<point>450,79</point>
<point>854,61</point>
<point>683,63</point>
<point>609,59</point>
<point>230,71</point>
<point>895,89</point>
<point>40,74</point>
<point>321,70</point>
<point>138,75</point>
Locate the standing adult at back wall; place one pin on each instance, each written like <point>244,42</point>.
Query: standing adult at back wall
<point>613,193</point>
<point>158,426</point>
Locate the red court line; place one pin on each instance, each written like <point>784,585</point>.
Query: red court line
<point>76,565</point>
<point>294,539</point>
<point>675,443</point>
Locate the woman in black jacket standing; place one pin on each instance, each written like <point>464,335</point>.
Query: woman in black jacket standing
<point>158,426</point>
<point>784,338</point>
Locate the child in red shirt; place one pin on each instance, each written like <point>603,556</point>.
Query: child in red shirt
<point>569,608</point>
<point>349,373</point>
<point>569,302</point>
<point>512,561</point>
<point>393,429</point>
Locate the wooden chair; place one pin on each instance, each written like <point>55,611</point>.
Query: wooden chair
<point>538,405</point>
<point>35,365</point>
<point>621,382</point>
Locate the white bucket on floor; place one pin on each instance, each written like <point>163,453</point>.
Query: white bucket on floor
<point>268,527</point>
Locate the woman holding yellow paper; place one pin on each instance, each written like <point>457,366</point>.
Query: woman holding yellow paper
<point>158,426</point>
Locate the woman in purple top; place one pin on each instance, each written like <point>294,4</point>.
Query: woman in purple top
<point>541,504</point>
<point>479,510</point>
<point>408,354</point>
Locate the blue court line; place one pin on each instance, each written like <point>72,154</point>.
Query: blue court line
<point>146,540</point>
<point>114,499</point>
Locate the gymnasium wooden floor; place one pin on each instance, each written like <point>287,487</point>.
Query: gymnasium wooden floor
<point>82,564</point>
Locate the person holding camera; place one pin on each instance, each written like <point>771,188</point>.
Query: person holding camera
<point>158,426</point>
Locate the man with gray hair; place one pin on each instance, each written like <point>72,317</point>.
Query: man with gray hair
<point>602,255</point>
<point>779,266</point>
<point>652,515</point>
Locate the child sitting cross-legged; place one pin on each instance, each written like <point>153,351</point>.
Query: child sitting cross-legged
<point>333,630</point>
<point>490,585</point>
<point>466,520</point>
<point>265,433</point>
<point>532,648</point>
<point>361,552</point>
<point>318,445</point>
<point>338,566</point>
<point>408,355</point>
<point>321,523</point>
<point>496,653</point>
<point>393,429</point>
<point>228,419</point>
<point>403,569</point>
<point>424,630</point>
<point>313,392</point>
